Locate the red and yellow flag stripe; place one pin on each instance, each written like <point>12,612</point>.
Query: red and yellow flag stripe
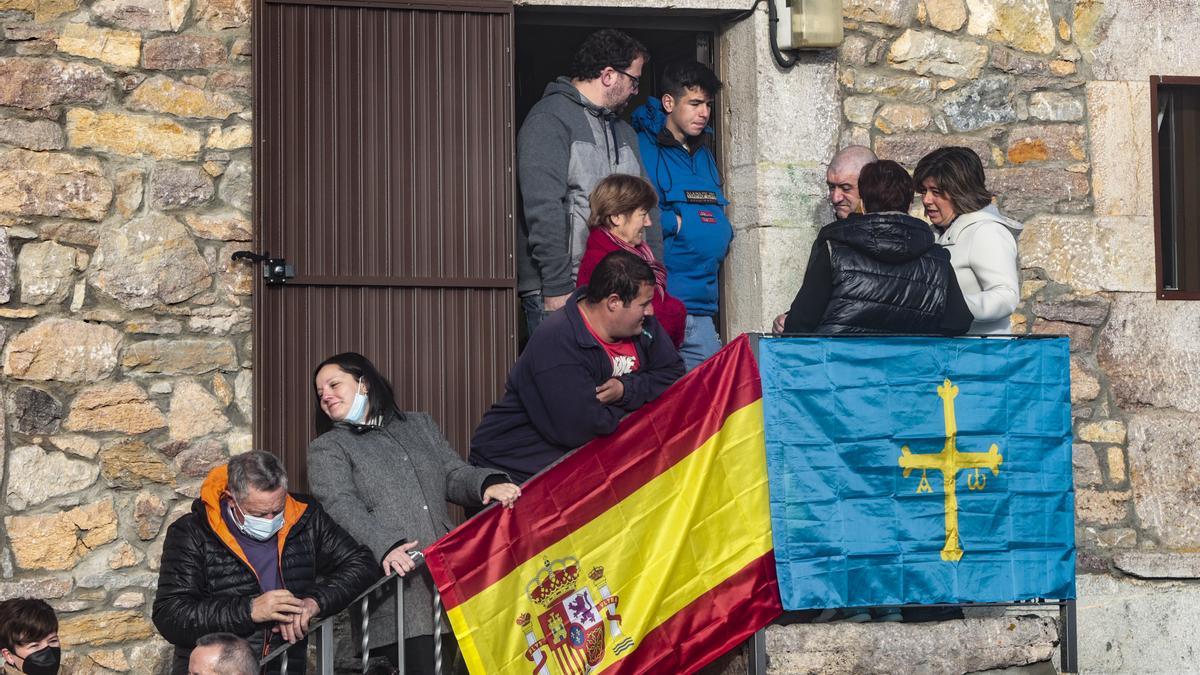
<point>670,514</point>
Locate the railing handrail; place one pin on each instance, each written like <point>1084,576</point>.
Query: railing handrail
<point>324,627</point>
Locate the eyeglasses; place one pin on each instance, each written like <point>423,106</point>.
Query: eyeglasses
<point>636,80</point>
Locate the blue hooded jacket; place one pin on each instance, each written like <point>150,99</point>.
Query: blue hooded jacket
<point>696,232</point>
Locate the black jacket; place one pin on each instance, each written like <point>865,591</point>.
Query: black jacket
<point>549,405</point>
<point>878,273</point>
<point>206,586</point>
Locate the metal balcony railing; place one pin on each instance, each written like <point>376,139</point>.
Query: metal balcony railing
<point>323,630</point>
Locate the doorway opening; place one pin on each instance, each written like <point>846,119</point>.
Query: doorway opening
<point>545,38</point>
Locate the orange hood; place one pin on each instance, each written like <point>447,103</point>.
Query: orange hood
<point>211,494</point>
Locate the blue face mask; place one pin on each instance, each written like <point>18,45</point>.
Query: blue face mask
<point>258,528</point>
<point>358,409</point>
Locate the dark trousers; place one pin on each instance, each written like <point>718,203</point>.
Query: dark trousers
<point>418,655</point>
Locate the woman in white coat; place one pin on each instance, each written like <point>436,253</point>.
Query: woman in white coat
<point>982,242</point>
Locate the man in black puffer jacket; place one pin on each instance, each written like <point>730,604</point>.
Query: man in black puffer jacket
<point>880,271</point>
<point>255,561</point>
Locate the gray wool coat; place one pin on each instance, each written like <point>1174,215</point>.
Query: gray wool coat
<point>392,483</point>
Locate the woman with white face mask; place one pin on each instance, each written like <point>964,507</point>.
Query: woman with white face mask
<point>385,476</point>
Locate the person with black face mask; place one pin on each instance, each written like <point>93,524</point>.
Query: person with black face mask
<point>29,637</point>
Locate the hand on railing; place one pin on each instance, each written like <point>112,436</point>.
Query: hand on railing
<point>294,630</point>
<point>277,605</point>
<point>402,559</point>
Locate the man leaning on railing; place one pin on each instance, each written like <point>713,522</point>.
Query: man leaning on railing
<point>247,560</point>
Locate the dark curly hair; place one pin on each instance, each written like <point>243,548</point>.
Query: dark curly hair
<point>605,48</point>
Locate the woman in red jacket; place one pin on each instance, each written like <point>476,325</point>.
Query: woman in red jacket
<point>620,215</point>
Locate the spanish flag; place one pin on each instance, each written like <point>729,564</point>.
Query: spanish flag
<point>646,551</point>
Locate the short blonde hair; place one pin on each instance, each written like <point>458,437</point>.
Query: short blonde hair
<point>617,195</point>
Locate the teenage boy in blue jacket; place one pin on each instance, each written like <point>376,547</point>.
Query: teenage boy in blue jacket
<point>675,140</point>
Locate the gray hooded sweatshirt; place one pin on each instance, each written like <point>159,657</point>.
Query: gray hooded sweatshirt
<point>565,147</point>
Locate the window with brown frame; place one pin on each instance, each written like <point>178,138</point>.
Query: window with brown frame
<point>1175,104</point>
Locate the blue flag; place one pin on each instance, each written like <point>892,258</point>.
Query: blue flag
<point>919,470</point>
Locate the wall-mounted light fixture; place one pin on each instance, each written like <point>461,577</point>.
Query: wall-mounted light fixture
<point>808,24</point>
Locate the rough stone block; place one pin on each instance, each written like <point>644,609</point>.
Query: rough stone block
<point>187,357</point>
<point>102,628</point>
<point>908,149</point>
<point>131,135</point>
<point>870,648</point>
<point>1164,471</point>
<point>1047,142</point>
<point>927,52</point>
<point>1134,40</point>
<point>34,83</point>
<point>150,260</point>
<point>1086,465</point>
<point>1122,171</point>
<point>176,186</point>
<point>183,52</point>
<point>1023,191</point>
<point>32,135</point>
<point>194,412</point>
<point>898,13</point>
<point>33,412</point>
<point>161,94</point>
<point>155,15</point>
<point>44,475</point>
<point>1103,507</point>
<point>53,184</point>
<point>1133,626</point>
<point>62,349</point>
<point>1091,254</point>
<point>46,271</point>
<point>904,87</point>
<point>947,15</point>
<point>1054,106</point>
<point>131,463</point>
<point>1023,24</point>
<point>57,541</point>
<point>1132,348</point>
<point>237,186</point>
<point>222,14</point>
<point>122,407</point>
<point>983,102</point>
<point>118,47</point>
<point>902,117</point>
<point>1158,564</point>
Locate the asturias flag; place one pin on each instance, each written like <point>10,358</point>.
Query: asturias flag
<point>919,470</point>
<point>647,551</point>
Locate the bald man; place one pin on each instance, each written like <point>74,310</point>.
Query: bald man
<point>842,180</point>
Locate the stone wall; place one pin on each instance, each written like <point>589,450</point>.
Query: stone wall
<point>1054,96</point>
<point>124,187</point>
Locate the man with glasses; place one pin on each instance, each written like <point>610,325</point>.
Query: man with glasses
<point>570,140</point>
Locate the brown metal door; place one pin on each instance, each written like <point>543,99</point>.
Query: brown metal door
<point>384,153</point>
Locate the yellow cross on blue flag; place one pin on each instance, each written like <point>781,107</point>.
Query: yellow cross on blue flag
<point>908,470</point>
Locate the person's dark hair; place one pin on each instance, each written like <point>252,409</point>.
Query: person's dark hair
<point>679,76</point>
<point>958,174</point>
<point>25,620</point>
<point>257,469</point>
<point>619,272</point>
<point>379,390</point>
<point>884,186</point>
<point>619,194</point>
<point>237,658</point>
<point>605,48</point>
